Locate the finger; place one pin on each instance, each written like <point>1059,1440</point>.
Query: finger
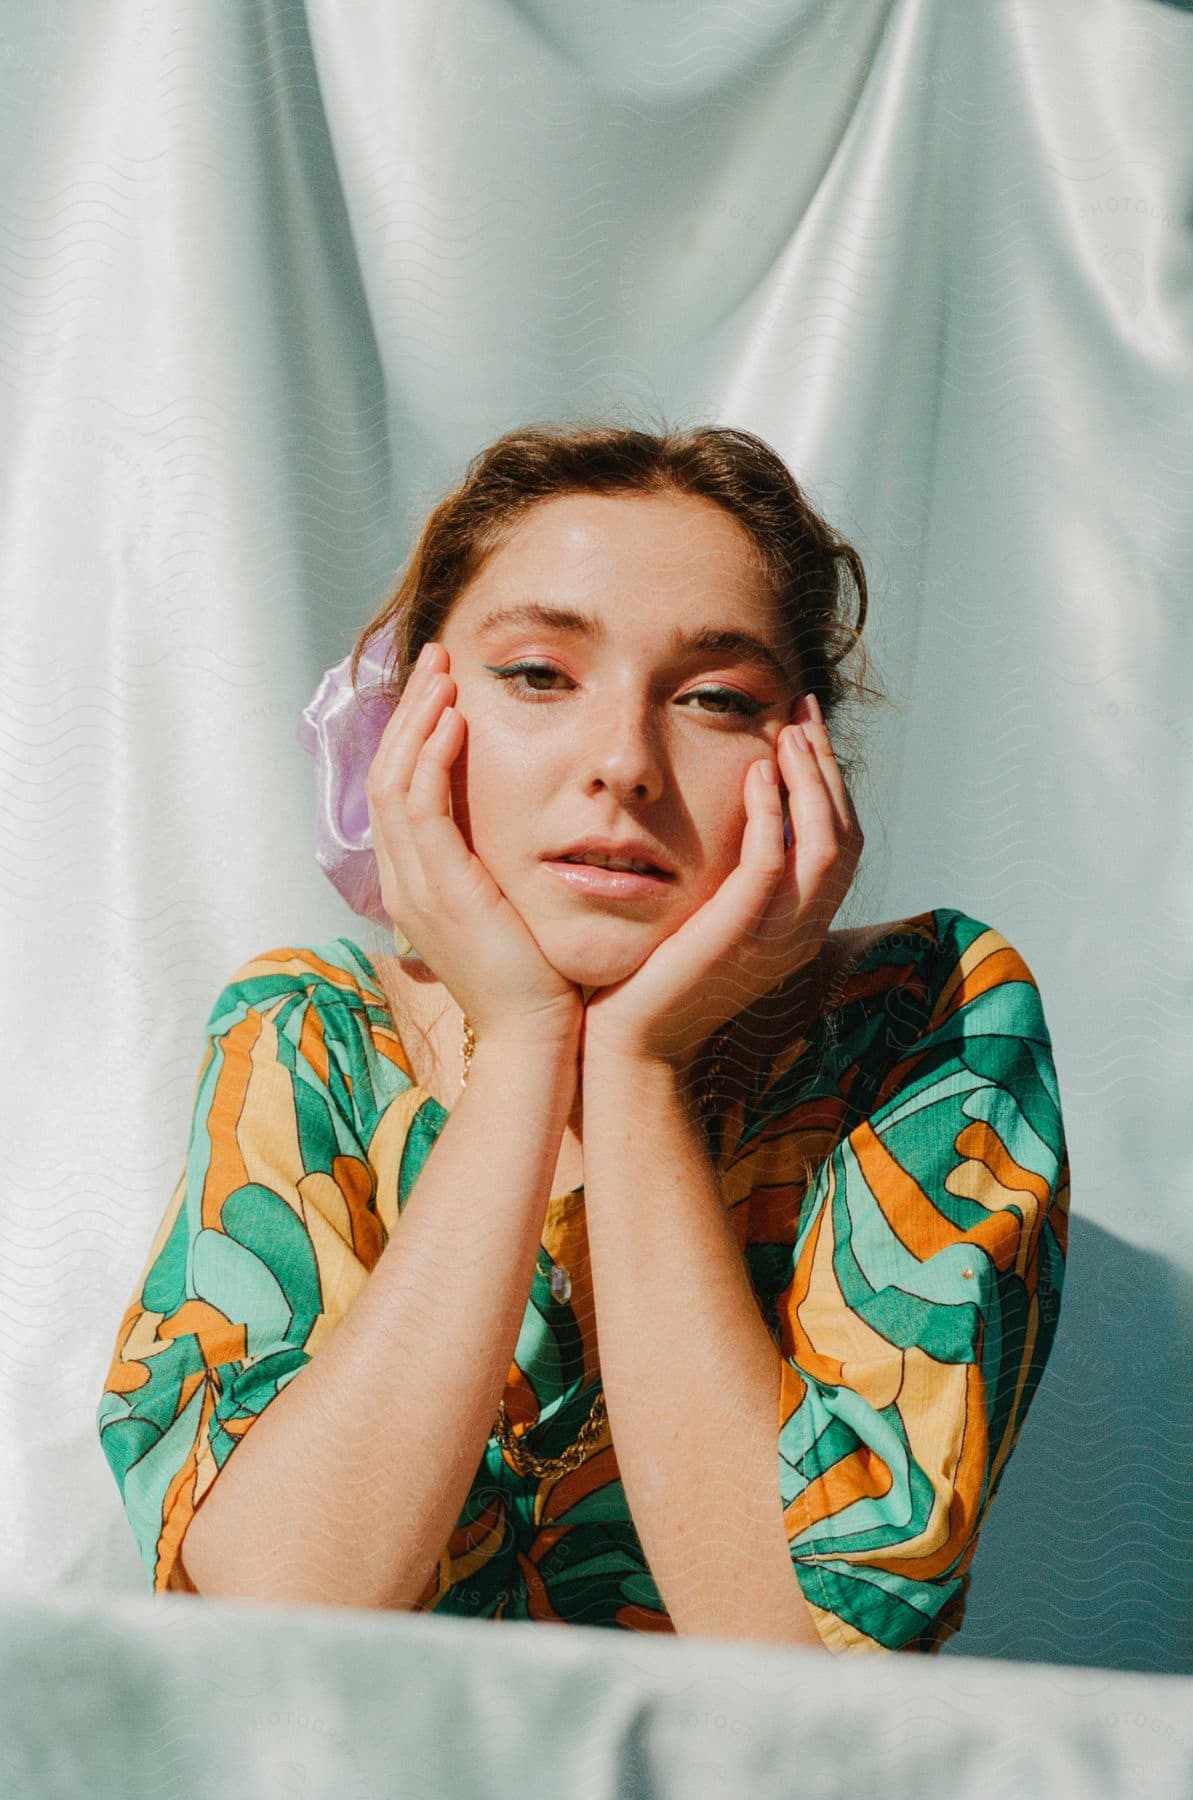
<point>407,730</point>
<point>746,894</point>
<point>414,688</point>
<point>387,784</point>
<point>763,848</point>
<point>816,733</point>
<point>429,789</point>
<point>807,777</point>
<point>445,857</point>
<point>815,827</point>
<point>725,942</point>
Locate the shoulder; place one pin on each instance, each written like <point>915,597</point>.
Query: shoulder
<point>897,992</point>
<point>942,1024</point>
<point>315,1013</point>
<point>979,975</point>
<point>974,1041</point>
<point>956,955</point>
<point>314,1007</point>
<point>326,975</point>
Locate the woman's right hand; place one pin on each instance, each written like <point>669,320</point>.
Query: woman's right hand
<point>439,892</point>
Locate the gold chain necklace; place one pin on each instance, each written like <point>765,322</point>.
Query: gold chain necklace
<point>524,1461</point>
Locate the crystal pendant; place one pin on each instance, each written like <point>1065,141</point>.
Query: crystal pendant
<point>561,1283</point>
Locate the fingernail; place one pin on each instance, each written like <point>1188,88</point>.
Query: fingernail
<point>814,708</point>
<point>425,653</point>
<point>769,775</point>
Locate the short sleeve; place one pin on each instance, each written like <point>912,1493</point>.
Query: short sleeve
<point>267,1238</point>
<point>918,1305</point>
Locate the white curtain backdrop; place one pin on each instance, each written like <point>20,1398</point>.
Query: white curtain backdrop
<point>270,272</point>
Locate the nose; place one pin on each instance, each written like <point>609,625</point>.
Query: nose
<point>623,753</point>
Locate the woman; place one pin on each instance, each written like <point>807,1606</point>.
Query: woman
<point>709,1295</point>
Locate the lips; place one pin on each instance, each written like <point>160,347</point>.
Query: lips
<point>638,866</point>
<point>631,850</point>
<point>595,882</point>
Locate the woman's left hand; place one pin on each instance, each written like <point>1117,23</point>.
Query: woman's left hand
<point>765,921</point>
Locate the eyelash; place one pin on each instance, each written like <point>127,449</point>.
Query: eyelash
<point>739,705</point>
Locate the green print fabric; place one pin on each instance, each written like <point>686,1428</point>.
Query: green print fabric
<point>898,1184</point>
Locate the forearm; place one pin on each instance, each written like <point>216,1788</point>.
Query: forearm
<point>346,1489</point>
<point>690,1372</point>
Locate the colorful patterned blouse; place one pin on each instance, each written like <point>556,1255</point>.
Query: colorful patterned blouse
<point>898,1181</point>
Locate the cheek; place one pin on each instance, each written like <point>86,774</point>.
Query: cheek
<point>722,827</point>
<point>727,823</point>
<point>489,792</point>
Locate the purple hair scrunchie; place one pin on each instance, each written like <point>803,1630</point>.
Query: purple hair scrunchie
<point>341,733</point>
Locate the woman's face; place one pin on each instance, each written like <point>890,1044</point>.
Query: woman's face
<point>621,732</point>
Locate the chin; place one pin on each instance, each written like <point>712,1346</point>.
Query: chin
<point>598,953</point>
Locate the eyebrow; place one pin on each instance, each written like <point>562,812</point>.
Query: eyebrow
<point>718,640</point>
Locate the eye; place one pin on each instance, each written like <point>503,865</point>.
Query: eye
<point>729,697</point>
<point>517,675</point>
<point>735,704</point>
